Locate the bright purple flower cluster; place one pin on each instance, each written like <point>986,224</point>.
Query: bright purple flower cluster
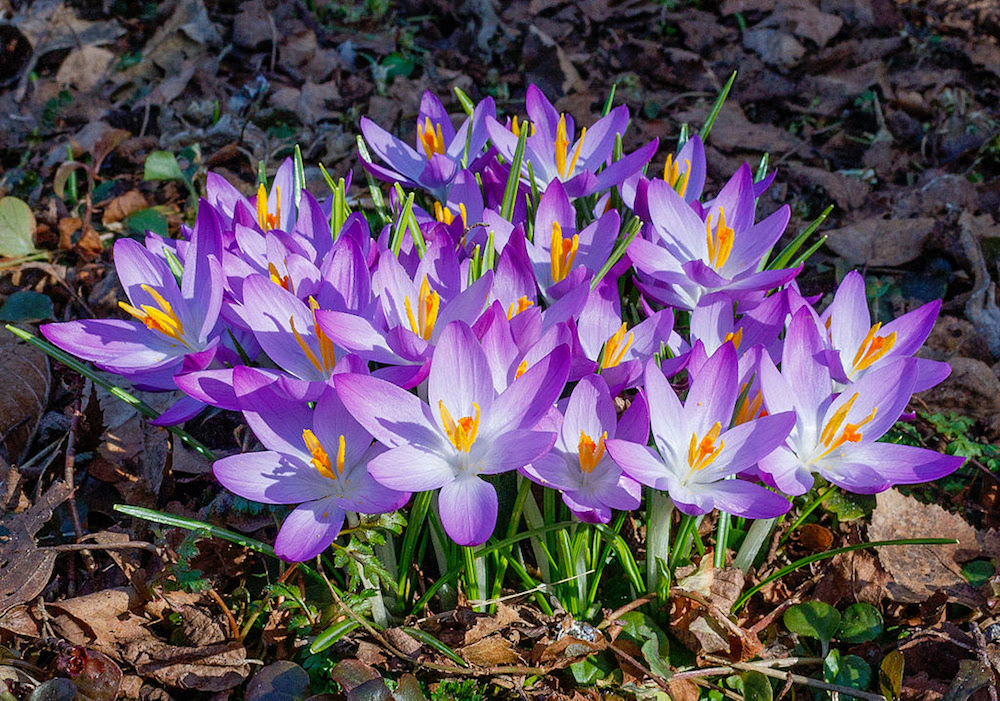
<point>373,365</point>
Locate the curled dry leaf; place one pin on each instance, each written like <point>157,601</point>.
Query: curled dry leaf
<point>122,206</point>
<point>25,395</point>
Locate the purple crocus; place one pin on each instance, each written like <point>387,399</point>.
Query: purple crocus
<point>437,159</point>
<point>696,451</point>
<point>171,323</point>
<point>553,154</point>
<point>858,346</point>
<point>694,252</point>
<point>464,431</point>
<point>578,466</point>
<point>834,434</point>
<point>315,459</point>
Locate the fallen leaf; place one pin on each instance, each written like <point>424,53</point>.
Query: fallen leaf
<point>25,395</point>
<point>972,390</point>
<point>916,572</point>
<point>491,651</point>
<point>881,242</point>
<point>122,206</point>
<point>279,681</point>
<point>17,228</point>
<point>209,668</point>
<point>84,68</point>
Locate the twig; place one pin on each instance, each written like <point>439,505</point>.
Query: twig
<point>980,640</point>
<point>234,628</point>
<point>88,558</point>
<point>660,681</point>
<point>728,669</point>
<point>799,679</point>
<point>78,547</point>
<point>714,687</point>
<point>618,613</point>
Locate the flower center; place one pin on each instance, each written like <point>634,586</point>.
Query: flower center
<point>268,221</point>
<point>320,459</point>
<point>429,136</point>
<point>872,348</point>
<point>562,147</point>
<point>703,453</point>
<point>720,242</point>
<point>162,319</point>
<point>562,253</point>
<point>735,336</point>
<point>616,347</point>
<point>279,279</point>
<point>674,177</point>
<point>519,306</point>
<point>461,433</point>
<point>748,408</point>
<point>427,310</point>
<point>590,451</point>
<point>326,361</point>
<point>833,436</point>
<point>516,128</point>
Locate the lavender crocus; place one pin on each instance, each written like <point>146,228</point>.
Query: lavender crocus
<point>578,466</point>
<point>437,160</point>
<point>696,451</point>
<point>834,434</point>
<point>316,459</point>
<point>554,156</point>
<point>464,431</point>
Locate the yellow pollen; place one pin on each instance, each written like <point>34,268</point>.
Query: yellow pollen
<point>521,369</point>
<point>465,216</point>
<point>427,310</point>
<point>164,319</point>
<point>720,242</point>
<point>519,306</point>
<point>462,433</point>
<point>268,221</point>
<point>703,453</point>
<point>749,408</point>
<point>562,147</point>
<point>615,349</point>
<point>873,347</point>
<point>674,177</point>
<point>430,138</point>
<point>443,214</point>
<point>832,437</point>
<point>326,361</point>
<point>736,337</point>
<point>590,452</point>
<point>279,279</point>
<point>562,252</point>
<point>320,459</point>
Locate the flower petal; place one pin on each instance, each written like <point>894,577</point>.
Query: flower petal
<point>309,530</point>
<point>468,508</point>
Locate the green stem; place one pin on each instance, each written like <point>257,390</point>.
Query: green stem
<point>681,541</point>
<point>722,539</point>
<point>660,509</point>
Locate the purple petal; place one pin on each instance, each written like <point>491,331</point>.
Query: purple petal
<point>270,478</point>
<point>409,468</point>
<point>638,462</point>
<point>460,374</point>
<point>747,500</point>
<point>514,450</point>
<point>309,530</point>
<point>530,396</point>
<point>468,507</point>
<point>275,419</point>
<point>393,151</point>
<point>394,416</point>
<point>904,464</point>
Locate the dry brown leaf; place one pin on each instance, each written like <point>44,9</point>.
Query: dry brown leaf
<point>491,651</point>
<point>918,571</point>
<point>25,394</point>
<point>128,436</point>
<point>210,668</point>
<point>488,625</point>
<point>85,67</point>
<point>24,569</point>
<point>878,241</point>
<point>122,206</point>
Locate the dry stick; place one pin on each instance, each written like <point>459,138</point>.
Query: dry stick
<point>785,689</point>
<point>715,687</point>
<point>88,558</point>
<point>78,547</point>
<point>618,613</point>
<point>234,628</point>
<point>799,679</point>
<point>984,660</point>
<point>727,669</point>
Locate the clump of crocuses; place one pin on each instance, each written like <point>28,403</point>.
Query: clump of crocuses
<point>522,322</point>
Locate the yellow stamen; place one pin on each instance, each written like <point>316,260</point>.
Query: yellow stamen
<point>720,243</point>
<point>614,349</point>
<point>462,433</point>
<point>832,437</point>
<point>736,337</point>
<point>562,146</point>
<point>279,279</point>
<point>519,306</point>
<point>268,221</point>
<point>320,459</point>
<point>427,310</point>
<point>873,347</point>
<point>443,214</point>
<point>430,137</point>
<point>521,369</point>
<point>305,346</point>
<point>562,252</point>
<point>164,319</point>
<point>703,453</point>
<point>324,342</point>
<point>749,408</point>
<point>590,452</point>
<point>674,177</point>
<point>516,128</point>
<point>465,216</point>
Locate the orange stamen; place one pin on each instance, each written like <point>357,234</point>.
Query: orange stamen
<point>614,349</point>
<point>720,242</point>
<point>519,306</point>
<point>562,252</point>
<point>590,452</point>
<point>162,319</point>
<point>320,459</point>
<point>703,453</point>
<point>430,137</point>
<point>428,304</point>
<point>462,433</point>
<point>873,347</point>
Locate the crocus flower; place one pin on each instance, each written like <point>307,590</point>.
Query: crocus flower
<point>578,466</point>
<point>684,172</point>
<point>170,323</point>
<point>834,434</point>
<point>555,156</point>
<point>316,459</point>
<point>437,158</point>
<point>696,451</point>
<point>697,252</point>
<point>859,347</point>
<point>465,430</point>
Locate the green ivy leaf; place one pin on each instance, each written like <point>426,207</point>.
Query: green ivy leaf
<point>976,572</point>
<point>861,622</point>
<point>756,687</point>
<point>813,619</point>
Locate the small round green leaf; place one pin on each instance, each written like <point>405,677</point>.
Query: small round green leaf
<point>847,670</point>
<point>861,622</point>
<point>17,227</point>
<point>978,572</point>
<point>756,687</point>
<point>26,305</point>
<point>162,165</point>
<point>813,619</point>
